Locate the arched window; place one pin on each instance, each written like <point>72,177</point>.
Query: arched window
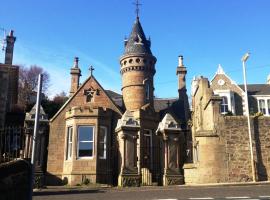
<point>224,108</point>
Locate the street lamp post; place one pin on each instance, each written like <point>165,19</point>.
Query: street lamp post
<point>244,59</point>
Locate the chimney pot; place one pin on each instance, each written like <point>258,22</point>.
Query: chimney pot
<point>76,62</point>
<point>180,60</point>
<point>11,33</point>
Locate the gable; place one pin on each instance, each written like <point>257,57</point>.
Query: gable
<point>223,82</point>
<point>100,98</point>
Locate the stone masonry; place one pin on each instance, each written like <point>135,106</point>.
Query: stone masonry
<point>221,144</point>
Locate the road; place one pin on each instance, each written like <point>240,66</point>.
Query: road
<point>250,192</point>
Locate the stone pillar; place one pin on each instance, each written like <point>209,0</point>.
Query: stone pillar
<point>127,136</point>
<point>173,139</point>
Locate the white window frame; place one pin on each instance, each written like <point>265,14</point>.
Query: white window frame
<point>104,142</point>
<point>90,141</point>
<point>69,142</point>
<point>267,106</point>
<point>230,97</point>
<point>224,105</point>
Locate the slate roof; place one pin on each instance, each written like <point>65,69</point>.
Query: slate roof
<point>117,98</point>
<point>257,89</point>
<point>159,103</point>
<point>137,42</point>
<point>162,103</point>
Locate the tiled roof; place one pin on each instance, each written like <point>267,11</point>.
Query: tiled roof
<point>257,89</point>
<point>137,42</point>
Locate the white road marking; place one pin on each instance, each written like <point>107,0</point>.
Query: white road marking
<point>237,197</point>
<point>264,197</point>
<point>165,199</point>
<point>201,198</point>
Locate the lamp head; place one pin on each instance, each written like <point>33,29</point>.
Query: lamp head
<point>245,57</point>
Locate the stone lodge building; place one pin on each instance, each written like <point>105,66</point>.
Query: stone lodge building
<point>133,138</point>
<point>130,139</point>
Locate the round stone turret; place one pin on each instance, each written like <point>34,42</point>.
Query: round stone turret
<point>137,70</point>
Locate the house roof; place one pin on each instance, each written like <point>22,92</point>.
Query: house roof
<point>116,98</point>
<point>163,103</point>
<point>137,42</point>
<point>257,89</point>
<point>159,103</point>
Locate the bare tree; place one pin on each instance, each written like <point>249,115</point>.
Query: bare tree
<point>52,106</point>
<point>28,81</point>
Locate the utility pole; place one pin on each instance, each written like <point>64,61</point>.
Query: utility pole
<point>244,59</point>
<point>34,138</point>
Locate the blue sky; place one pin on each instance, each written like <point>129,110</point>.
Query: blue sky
<point>207,32</point>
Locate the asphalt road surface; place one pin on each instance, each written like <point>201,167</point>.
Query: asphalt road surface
<point>250,192</point>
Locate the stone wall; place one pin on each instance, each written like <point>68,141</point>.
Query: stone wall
<point>221,149</point>
<point>226,156</point>
<point>235,133</point>
<point>15,180</point>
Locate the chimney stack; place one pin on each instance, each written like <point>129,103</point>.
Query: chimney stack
<point>268,79</point>
<point>10,39</point>
<point>75,76</point>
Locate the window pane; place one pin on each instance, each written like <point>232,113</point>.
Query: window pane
<point>85,133</point>
<point>268,103</point>
<point>69,143</point>
<point>102,142</point>
<point>102,135</point>
<point>224,108</point>
<point>85,149</point>
<point>224,100</point>
<point>262,106</point>
<point>70,134</point>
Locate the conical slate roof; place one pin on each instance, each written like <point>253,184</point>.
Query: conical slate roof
<point>137,42</point>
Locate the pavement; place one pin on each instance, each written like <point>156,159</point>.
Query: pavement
<point>248,191</point>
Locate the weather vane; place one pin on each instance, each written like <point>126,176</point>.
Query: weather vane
<point>137,4</point>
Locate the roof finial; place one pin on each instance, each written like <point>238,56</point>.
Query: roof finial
<point>137,4</point>
<point>91,69</point>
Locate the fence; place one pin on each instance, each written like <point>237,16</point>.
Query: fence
<point>11,143</point>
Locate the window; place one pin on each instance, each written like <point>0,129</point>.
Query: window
<point>69,143</point>
<point>85,141</point>
<point>268,104</point>
<point>147,90</point>
<point>102,137</point>
<point>262,108</point>
<point>224,105</point>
